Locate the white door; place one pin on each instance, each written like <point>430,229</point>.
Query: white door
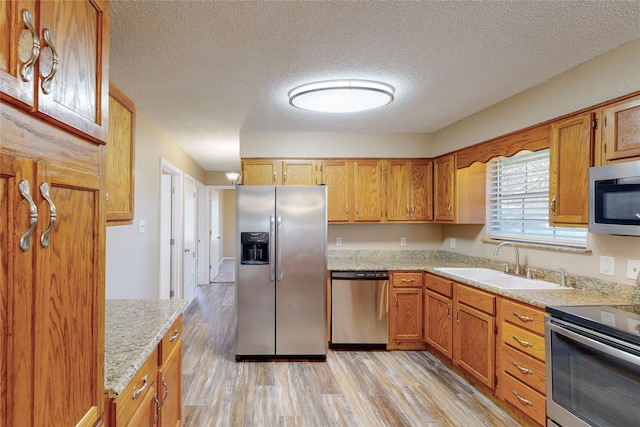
<point>203,233</point>
<point>214,237</point>
<point>189,242</point>
<point>165,235</point>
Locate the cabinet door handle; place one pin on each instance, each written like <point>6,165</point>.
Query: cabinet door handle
<point>449,208</point>
<point>45,238</point>
<point>448,311</point>
<point>395,300</point>
<point>523,318</point>
<point>413,210</point>
<point>552,205</point>
<point>522,368</point>
<point>347,210</point>
<point>357,210</point>
<point>457,318</point>
<point>25,191</point>
<point>175,335</point>
<point>46,82</point>
<point>408,211</point>
<point>145,381</point>
<point>274,177</point>
<point>166,390</point>
<point>157,414</point>
<point>26,72</point>
<point>522,399</point>
<point>521,342</point>
<point>284,178</point>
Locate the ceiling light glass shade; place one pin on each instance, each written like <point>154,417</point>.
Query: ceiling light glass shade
<point>233,177</point>
<point>341,96</point>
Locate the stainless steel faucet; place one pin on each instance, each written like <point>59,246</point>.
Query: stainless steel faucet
<point>517,271</point>
<point>563,276</point>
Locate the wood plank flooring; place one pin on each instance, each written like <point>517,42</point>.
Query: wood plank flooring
<point>352,388</point>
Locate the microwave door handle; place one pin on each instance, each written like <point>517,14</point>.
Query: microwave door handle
<point>272,235</point>
<point>597,345</point>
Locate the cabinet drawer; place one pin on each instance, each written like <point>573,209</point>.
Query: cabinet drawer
<point>406,280</point>
<point>170,341</point>
<point>476,298</point>
<point>525,399</point>
<point>523,340</point>
<point>439,284</point>
<point>523,315</point>
<point>143,382</point>
<point>523,367</point>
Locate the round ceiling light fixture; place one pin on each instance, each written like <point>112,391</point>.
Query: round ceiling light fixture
<point>341,96</point>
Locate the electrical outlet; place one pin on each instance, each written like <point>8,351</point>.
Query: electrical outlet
<point>141,226</point>
<point>634,325</point>
<point>338,241</point>
<point>607,265</point>
<point>403,241</point>
<point>608,318</point>
<point>633,269</point>
<point>452,242</point>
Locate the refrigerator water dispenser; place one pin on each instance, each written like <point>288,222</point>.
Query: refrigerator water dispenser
<point>255,247</point>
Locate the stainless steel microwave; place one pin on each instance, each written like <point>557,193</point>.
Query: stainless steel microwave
<point>614,199</point>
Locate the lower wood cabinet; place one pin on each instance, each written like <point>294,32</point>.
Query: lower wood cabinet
<point>405,307</point>
<point>154,395</point>
<point>474,333</point>
<point>438,314</point>
<point>521,358</point>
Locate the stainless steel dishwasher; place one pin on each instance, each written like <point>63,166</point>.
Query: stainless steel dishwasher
<point>359,308</point>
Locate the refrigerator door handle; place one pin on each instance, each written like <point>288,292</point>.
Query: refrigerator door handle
<point>272,235</point>
<point>278,249</point>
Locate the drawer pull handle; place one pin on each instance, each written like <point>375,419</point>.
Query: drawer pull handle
<point>522,399</point>
<point>175,335</point>
<point>523,318</point>
<point>407,280</point>
<point>137,392</point>
<point>522,368</point>
<point>522,342</point>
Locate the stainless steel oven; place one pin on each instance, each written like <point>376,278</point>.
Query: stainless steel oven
<point>593,365</point>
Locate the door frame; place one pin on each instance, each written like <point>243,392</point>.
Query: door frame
<point>172,256</point>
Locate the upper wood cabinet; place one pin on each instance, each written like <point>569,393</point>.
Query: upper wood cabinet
<point>120,158</point>
<point>409,196</point>
<point>571,155</point>
<point>54,62</point>
<point>278,172</point>
<point>621,130</point>
<point>367,190</point>
<point>335,175</point>
<point>458,194</point>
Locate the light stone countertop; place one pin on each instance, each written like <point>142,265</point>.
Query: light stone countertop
<point>133,329</point>
<point>586,292</point>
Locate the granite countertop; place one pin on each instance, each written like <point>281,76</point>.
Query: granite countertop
<point>540,298</point>
<point>133,329</point>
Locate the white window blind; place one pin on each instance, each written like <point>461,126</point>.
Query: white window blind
<point>518,202</point>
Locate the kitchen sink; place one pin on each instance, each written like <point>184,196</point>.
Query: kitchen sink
<point>498,279</point>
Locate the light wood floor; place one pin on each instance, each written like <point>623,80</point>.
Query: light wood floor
<point>352,388</point>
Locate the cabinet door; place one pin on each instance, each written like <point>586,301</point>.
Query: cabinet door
<point>571,155</point>
<point>19,50</point>
<point>170,388</point>
<point>69,301</point>
<point>398,190</point>
<point>260,172</point>
<point>621,133</point>
<point>405,317</point>
<point>367,180</point>
<point>474,343</point>
<point>298,172</point>
<point>120,158</point>
<point>422,190</point>
<point>147,413</point>
<point>444,174</point>
<point>335,175</point>
<point>437,322</point>
<point>76,92</point>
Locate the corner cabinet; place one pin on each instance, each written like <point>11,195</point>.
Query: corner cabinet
<point>571,154</point>
<point>405,309</point>
<point>54,62</point>
<point>409,190</point>
<point>120,158</point>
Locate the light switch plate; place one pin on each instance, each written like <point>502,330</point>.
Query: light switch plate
<point>141,226</point>
<point>633,269</point>
<point>607,265</point>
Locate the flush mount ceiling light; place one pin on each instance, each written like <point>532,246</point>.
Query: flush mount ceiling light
<point>341,96</point>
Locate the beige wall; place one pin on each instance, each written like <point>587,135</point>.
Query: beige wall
<point>228,225</point>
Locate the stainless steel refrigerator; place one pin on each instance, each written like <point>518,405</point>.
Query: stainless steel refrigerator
<point>281,271</point>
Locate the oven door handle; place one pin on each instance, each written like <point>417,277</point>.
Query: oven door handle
<point>555,325</point>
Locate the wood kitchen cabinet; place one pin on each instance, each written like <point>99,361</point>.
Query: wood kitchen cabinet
<point>170,377</point>
<point>571,154</point>
<point>438,317</point>
<point>120,158</point>
<point>409,190</point>
<point>405,308</point>
<point>278,172</point>
<point>52,315</point>
<point>54,62</point>
<point>335,175</point>
<point>474,333</point>
<point>621,130</point>
<point>458,194</point>
<point>521,358</point>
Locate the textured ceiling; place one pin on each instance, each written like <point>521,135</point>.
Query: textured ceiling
<point>205,71</point>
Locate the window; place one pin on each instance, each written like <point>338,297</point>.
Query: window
<point>518,202</point>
